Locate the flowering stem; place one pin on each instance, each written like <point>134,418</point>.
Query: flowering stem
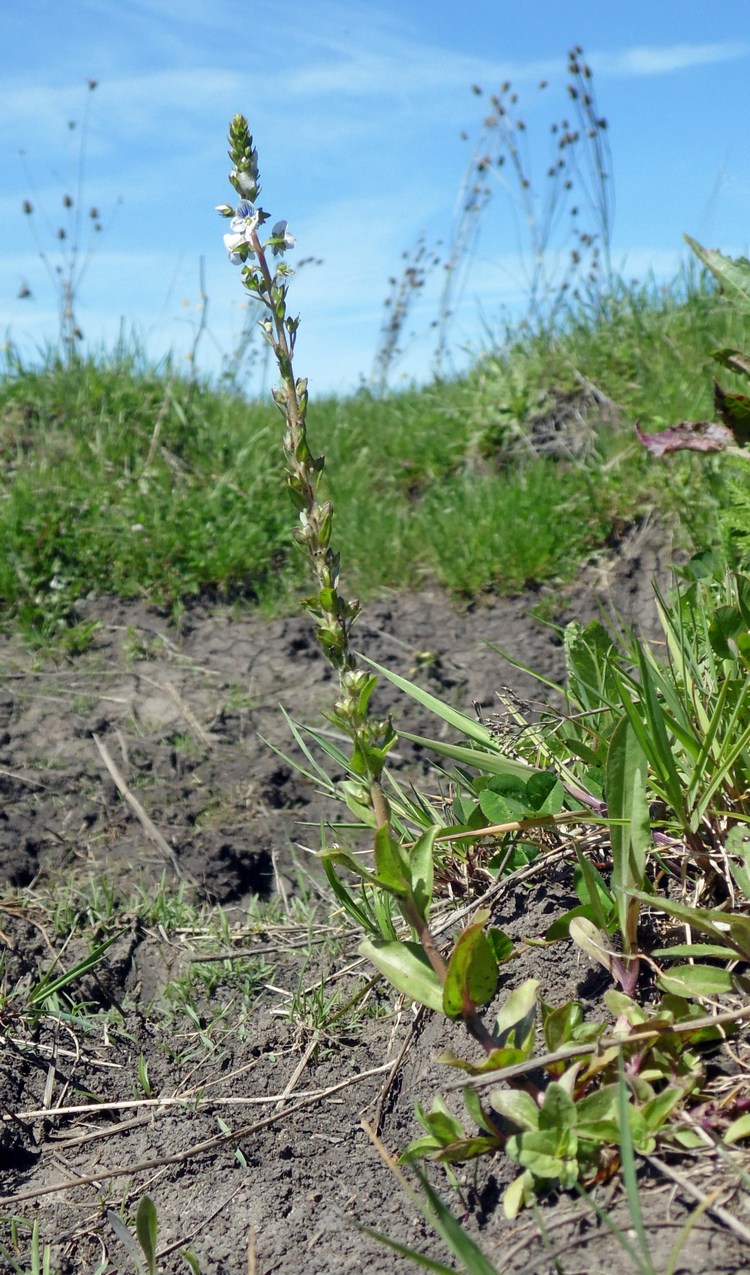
<point>333,614</point>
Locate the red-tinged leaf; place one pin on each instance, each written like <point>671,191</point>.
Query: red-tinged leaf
<point>734,411</point>
<point>688,436</point>
<point>735,360</point>
<point>472,971</point>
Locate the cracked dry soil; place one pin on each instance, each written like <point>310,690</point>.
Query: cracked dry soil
<point>182,720</point>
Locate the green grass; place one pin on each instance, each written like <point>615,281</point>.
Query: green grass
<point>120,479</point>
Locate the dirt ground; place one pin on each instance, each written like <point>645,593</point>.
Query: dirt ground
<point>251,1143</point>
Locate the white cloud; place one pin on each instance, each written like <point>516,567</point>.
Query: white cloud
<point>660,60</point>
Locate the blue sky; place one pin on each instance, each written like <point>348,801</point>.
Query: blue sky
<point>357,110</point>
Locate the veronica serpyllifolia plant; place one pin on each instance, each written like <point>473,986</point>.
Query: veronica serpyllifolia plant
<point>405,875</point>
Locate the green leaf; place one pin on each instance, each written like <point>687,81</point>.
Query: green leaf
<point>546,1155</point>
<point>657,1109</point>
<point>421,865</point>
<point>735,360</point>
<point>733,273</point>
<point>499,807</point>
<point>473,1104</point>
<point>445,1127</point>
<point>406,966</point>
<point>589,658</point>
<point>420,1149</point>
<point>558,1110</point>
<point>516,1021</point>
<point>467,1148</point>
<point>391,872</point>
<point>516,1106</point>
<point>345,897</point>
<point>722,952</point>
<point>469,727</point>
<point>630,831</point>
<point>726,927</point>
<point>452,1233</point>
<point>345,860</point>
<point>502,946</point>
<point>560,1023</point>
<point>497,1060</point>
<point>491,763</point>
<point>697,980</point>
<point>545,793</point>
<point>591,941</point>
<point>560,928</point>
<point>737,845</point>
<point>739,1128</point>
<point>516,1195</point>
<point>146,1229</point>
<point>472,972</point>
<point>591,888</point>
<point>598,1106</point>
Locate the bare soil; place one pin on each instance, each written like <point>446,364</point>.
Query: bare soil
<point>252,1145</point>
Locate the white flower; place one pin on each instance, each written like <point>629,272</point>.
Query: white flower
<point>281,239</point>
<point>242,227</point>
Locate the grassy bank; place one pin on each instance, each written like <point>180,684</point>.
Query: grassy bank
<point>121,479</point>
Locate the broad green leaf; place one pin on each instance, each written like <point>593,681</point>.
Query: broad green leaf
<point>516,1020</point>
<point>517,1106</point>
<point>558,1110</point>
<point>656,1111</point>
<point>502,946</point>
<point>697,980</point>
<point>420,1149</point>
<point>546,1154</point>
<point>421,865</point>
<point>146,1229</point>
<point>591,941</point>
<point>504,799</point>
<point>591,888</point>
<point>472,971</point>
<point>733,273</point>
<point>390,869</point>
<point>406,966</point>
<point>467,1148</point>
<point>516,1195</point>
<point>690,1139</point>
<point>721,951</point>
<point>560,928</point>
<point>560,1023</point>
<point>444,1127</point>
<point>739,1128</point>
<point>498,1060</point>
<point>545,793</point>
<point>598,1106</point>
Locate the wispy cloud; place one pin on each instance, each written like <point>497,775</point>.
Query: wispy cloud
<point>660,60</point>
